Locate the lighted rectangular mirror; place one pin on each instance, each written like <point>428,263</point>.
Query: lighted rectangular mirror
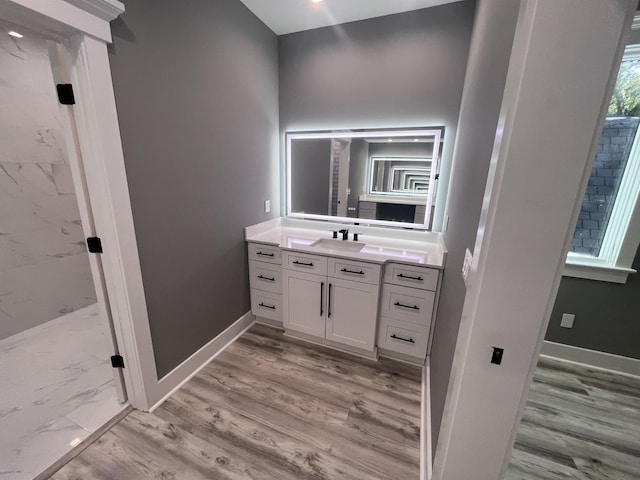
<point>377,177</point>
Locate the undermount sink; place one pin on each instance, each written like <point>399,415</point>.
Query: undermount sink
<point>335,244</point>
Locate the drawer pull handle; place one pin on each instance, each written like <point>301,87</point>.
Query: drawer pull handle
<point>266,306</point>
<point>329,308</point>
<point>412,307</point>
<point>303,264</point>
<point>265,254</point>
<point>402,275</point>
<point>261,277</point>
<point>351,271</point>
<point>321,298</point>
<point>410,340</point>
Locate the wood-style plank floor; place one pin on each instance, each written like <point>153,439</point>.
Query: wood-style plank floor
<point>579,423</point>
<point>270,407</point>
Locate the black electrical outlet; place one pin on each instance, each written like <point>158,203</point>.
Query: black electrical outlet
<point>496,357</point>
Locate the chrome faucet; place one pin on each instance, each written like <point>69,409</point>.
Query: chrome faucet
<point>345,234</point>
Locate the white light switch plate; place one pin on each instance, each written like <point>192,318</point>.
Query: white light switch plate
<point>466,266</point>
<point>267,206</point>
<point>567,320</point>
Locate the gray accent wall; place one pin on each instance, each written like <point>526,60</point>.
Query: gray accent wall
<point>196,87</point>
<point>484,86</point>
<point>395,71</point>
<point>606,315</point>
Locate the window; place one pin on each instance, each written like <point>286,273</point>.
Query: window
<point>608,229</point>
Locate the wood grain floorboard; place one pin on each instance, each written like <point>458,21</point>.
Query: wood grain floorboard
<point>271,407</point>
<point>579,423</point>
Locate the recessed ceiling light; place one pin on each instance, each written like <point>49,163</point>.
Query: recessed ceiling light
<point>15,34</point>
<point>317,1</point>
<point>416,139</point>
<point>390,140</point>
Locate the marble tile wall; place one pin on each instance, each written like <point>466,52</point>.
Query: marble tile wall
<point>44,267</point>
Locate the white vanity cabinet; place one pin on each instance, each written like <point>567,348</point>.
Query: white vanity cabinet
<point>305,290</point>
<point>407,309</point>
<point>332,299</point>
<point>265,279</point>
<point>375,296</point>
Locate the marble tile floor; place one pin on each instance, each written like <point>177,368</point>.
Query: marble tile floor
<point>579,423</point>
<point>56,388</point>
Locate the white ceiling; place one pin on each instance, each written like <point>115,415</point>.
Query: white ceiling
<point>288,16</point>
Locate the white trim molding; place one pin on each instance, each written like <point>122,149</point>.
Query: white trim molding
<point>578,268</point>
<point>103,159</point>
<point>104,9</point>
<point>622,236</point>
<point>426,446</point>
<point>180,375</point>
<point>64,18</point>
<point>591,358</point>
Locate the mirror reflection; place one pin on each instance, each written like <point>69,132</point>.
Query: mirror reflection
<point>384,177</point>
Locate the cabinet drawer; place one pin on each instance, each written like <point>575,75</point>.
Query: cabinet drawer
<point>305,263</point>
<point>408,305</point>
<point>266,305</point>
<point>265,253</point>
<point>409,276</point>
<point>265,276</point>
<point>402,338</point>
<point>352,270</point>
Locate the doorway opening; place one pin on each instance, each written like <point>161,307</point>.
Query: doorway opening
<point>56,334</point>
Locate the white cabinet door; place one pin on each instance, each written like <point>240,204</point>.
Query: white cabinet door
<point>305,302</point>
<point>351,313</point>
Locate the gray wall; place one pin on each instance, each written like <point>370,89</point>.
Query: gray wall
<point>395,71</point>
<point>44,267</point>
<point>196,88</point>
<point>310,162</point>
<point>488,63</point>
<point>606,315</point>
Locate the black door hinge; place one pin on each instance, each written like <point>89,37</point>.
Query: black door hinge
<point>94,244</point>
<point>117,361</point>
<point>65,94</point>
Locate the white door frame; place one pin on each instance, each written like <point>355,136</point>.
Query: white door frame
<point>561,75</point>
<point>82,27</point>
<point>58,60</point>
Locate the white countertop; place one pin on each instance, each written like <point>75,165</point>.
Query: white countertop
<point>381,244</point>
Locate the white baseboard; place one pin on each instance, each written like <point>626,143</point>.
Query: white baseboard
<point>180,375</point>
<point>426,462</point>
<point>592,358</point>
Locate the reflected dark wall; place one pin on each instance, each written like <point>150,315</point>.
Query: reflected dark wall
<point>357,173</point>
<point>311,159</point>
